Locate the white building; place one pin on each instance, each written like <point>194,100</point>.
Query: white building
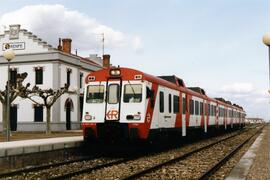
<point>47,67</point>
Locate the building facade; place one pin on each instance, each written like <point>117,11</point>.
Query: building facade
<point>47,67</point>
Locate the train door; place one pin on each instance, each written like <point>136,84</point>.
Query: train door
<point>169,118</point>
<point>112,112</point>
<point>165,109</point>
<point>184,112</point>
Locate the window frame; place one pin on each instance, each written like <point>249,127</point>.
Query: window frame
<point>68,77</point>
<point>117,91</point>
<point>184,105</point>
<point>161,101</point>
<point>191,107</point>
<point>141,95</point>
<point>201,108</point>
<point>13,76</point>
<point>170,103</point>
<point>39,76</point>
<point>197,104</point>
<point>176,104</point>
<point>87,97</point>
<point>36,108</point>
<point>81,78</point>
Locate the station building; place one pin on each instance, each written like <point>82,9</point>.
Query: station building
<point>47,67</point>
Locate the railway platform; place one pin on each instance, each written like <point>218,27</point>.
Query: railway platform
<point>255,164</point>
<point>22,147</point>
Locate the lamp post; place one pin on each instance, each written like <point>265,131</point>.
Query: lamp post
<point>9,55</point>
<point>266,41</point>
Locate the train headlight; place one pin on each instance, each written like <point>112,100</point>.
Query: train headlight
<point>134,117</point>
<point>115,72</point>
<point>137,117</point>
<point>88,117</point>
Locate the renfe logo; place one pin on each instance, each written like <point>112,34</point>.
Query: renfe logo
<point>112,115</point>
<point>14,46</point>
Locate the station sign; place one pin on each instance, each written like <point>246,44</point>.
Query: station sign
<point>14,45</point>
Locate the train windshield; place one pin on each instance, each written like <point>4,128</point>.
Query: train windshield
<point>95,94</point>
<point>133,93</point>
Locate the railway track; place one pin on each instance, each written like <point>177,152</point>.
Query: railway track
<point>93,167</point>
<point>90,169</point>
<point>126,160</point>
<point>178,159</point>
<point>42,167</point>
<point>227,157</point>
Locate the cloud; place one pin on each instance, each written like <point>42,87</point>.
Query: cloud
<point>137,44</point>
<point>53,21</point>
<point>238,88</point>
<point>255,101</point>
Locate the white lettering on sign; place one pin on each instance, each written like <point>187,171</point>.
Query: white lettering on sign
<point>14,46</point>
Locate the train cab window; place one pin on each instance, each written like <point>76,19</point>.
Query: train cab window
<point>170,103</point>
<point>176,104</point>
<point>196,107</point>
<point>201,108</point>
<point>161,102</point>
<point>184,107</point>
<point>95,94</point>
<point>133,93</point>
<point>113,93</point>
<point>191,106</point>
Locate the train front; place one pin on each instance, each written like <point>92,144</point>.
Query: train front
<point>115,105</point>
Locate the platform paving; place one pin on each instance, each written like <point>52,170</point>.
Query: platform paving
<point>38,145</point>
<point>15,136</point>
<point>255,164</point>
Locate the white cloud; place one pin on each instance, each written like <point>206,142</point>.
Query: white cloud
<point>137,44</point>
<point>238,88</point>
<point>255,101</point>
<point>53,21</point>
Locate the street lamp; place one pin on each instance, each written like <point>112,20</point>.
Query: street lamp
<point>9,55</point>
<point>266,41</point>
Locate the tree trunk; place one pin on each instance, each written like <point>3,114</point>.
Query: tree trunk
<point>48,120</point>
<point>4,119</point>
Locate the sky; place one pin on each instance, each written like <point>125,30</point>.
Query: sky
<point>214,44</point>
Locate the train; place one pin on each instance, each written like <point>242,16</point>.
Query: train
<point>127,103</point>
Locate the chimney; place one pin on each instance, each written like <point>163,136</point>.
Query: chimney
<point>59,45</point>
<point>67,45</point>
<point>106,61</point>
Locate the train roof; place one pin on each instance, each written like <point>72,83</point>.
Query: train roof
<point>173,79</point>
<point>198,89</point>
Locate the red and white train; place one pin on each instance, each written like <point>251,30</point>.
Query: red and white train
<point>123,102</point>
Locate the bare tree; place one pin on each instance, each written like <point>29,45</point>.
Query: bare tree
<point>17,89</point>
<point>49,97</point>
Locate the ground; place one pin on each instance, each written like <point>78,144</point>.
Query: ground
<point>15,136</point>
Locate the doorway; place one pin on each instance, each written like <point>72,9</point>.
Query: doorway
<point>69,108</point>
<point>13,118</point>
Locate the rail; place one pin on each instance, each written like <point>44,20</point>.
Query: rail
<point>181,157</point>
<point>216,166</point>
